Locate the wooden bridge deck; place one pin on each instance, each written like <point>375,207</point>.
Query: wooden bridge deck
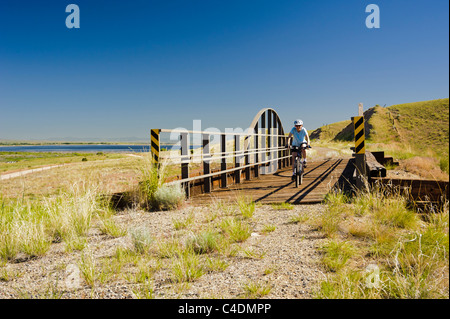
<point>318,179</point>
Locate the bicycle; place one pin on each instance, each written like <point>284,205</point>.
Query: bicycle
<point>298,163</point>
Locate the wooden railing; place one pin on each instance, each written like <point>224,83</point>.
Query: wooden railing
<point>252,154</point>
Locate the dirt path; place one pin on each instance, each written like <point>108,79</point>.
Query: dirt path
<point>28,171</point>
<point>13,174</point>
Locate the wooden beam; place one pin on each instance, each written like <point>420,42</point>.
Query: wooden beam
<point>418,190</point>
<point>374,168</point>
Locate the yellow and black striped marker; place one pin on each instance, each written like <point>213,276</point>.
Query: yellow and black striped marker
<point>360,147</point>
<point>155,147</point>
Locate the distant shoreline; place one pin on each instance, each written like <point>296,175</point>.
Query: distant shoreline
<point>74,148</point>
<point>67,143</point>
<point>11,144</point>
<point>86,148</point>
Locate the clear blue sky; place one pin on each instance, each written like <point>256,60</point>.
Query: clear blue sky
<point>137,65</point>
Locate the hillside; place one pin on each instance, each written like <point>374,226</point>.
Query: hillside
<point>418,125</point>
<point>422,124</point>
<point>329,131</point>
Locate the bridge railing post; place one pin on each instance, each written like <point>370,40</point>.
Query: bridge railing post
<point>256,155</point>
<point>206,162</point>
<point>263,144</point>
<point>185,159</point>
<point>289,157</point>
<point>275,142</point>
<point>274,152</point>
<point>237,158</point>
<point>246,158</point>
<point>280,144</point>
<point>223,164</point>
<point>269,141</point>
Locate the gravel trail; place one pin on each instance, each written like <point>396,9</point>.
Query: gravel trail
<point>286,260</point>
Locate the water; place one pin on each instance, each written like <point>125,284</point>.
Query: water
<point>72,148</point>
<point>85,148</point>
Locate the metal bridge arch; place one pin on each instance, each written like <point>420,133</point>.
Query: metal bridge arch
<point>268,123</point>
<point>273,120</point>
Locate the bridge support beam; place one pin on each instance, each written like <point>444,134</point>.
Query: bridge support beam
<point>361,174</point>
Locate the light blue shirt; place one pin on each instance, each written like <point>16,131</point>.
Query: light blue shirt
<point>299,137</point>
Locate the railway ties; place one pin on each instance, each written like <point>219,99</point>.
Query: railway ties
<point>318,179</point>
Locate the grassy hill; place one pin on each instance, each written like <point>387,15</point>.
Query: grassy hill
<point>421,124</point>
<point>329,131</point>
<point>406,130</point>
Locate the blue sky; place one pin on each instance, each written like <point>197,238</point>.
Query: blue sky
<point>137,65</point>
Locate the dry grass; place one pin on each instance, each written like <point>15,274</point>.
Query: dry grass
<point>115,175</point>
<point>379,248</point>
<point>426,167</point>
<point>411,255</point>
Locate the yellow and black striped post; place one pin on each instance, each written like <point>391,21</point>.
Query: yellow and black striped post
<point>360,151</point>
<point>155,146</point>
<point>360,147</point>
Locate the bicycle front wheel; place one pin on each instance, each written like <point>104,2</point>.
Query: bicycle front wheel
<point>301,175</point>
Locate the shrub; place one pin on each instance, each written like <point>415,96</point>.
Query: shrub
<point>169,248</point>
<point>141,239</point>
<point>187,268</point>
<point>109,227</point>
<point>33,239</point>
<point>183,223</point>
<point>204,242</point>
<point>88,268</point>
<point>30,226</point>
<point>269,228</point>
<point>394,212</point>
<point>168,197</point>
<point>299,218</point>
<point>9,244</point>
<point>152,193</point>
<point>235,229</point>
<point>246,206</point>
<point>255,290</point>
<point>337,254</point>
<point>330,219</point>
<point>215,264</point>
<point>151,177</point>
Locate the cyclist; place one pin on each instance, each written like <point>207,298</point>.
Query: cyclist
<point>300,135</point>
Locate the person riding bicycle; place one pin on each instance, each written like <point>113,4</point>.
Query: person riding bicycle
<point>300,135</point>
